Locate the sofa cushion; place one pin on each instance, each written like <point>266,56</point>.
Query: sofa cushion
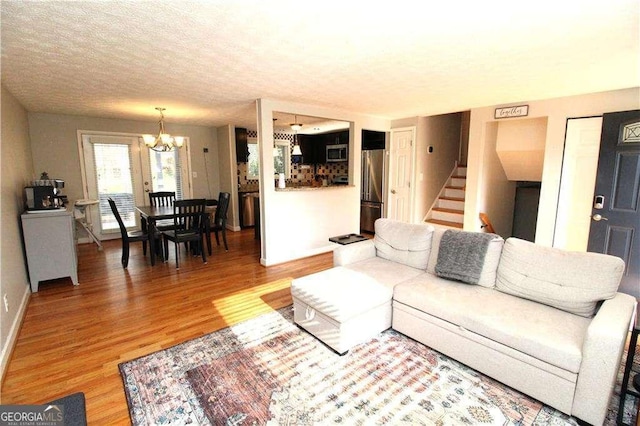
<point>491,259</point>
<point>384,271</point>
<point>572,281</point>
<point>521,324</point>
<point>406,243</point>
<point>340,293</point>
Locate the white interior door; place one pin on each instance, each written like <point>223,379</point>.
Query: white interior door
<point>577,183</point>
<point>400,195</point>
<point>112,168</point>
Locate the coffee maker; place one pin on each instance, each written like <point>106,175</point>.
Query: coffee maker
<point>44,194</point>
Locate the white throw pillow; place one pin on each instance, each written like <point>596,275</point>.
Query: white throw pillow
<point>572,281</point>
<point>491,260</point>
<point>405,243</point>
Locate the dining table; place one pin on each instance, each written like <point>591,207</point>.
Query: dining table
<point>150,215</point>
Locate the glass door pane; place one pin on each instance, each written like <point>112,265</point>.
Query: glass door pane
<point>112,167</point>
<point>165,171</point>
<point>114,179</point>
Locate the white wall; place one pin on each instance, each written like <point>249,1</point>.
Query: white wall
<point>297,224</point>
<point>54,145</point>
<point>520,147</point>
<point>488,189</point>
<point>17,172</point>
<point>480,179</point>
<point>442,132</point>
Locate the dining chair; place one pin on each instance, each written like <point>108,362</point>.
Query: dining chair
<point>162,198</point>
<point>128,237</point>
<point>220,221</point>
<point>188,227</point>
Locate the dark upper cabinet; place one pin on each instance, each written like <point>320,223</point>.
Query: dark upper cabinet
<point>314,147</point>
<point>242,148</point>
<point>308,148</point>
<point>372,139</point>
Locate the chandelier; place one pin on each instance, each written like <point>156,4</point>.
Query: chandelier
<point>164,141</point>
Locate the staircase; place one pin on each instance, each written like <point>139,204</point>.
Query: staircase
<point>448,209</point>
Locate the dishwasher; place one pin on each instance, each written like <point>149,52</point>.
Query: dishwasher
<point>247,210</point>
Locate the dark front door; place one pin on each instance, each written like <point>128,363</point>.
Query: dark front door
<point>615,220</point>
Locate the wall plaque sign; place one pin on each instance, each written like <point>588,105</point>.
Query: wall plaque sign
<point>513,111</point>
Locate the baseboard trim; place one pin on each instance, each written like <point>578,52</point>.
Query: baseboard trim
<point>7,349</point>
<point>288,258</point>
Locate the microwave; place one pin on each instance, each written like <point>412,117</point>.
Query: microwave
<point>337,153</point>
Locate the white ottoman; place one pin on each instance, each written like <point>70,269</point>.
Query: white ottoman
<point>341,307</point>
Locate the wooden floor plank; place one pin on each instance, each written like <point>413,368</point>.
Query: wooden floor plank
<point>73,338</point>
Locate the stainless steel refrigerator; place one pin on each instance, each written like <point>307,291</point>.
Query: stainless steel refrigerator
<point>372,188</point>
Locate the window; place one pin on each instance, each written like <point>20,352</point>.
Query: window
<point>253,164</point>
<point>281,158</point>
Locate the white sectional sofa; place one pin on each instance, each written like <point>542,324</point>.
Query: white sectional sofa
<point>547,322</point>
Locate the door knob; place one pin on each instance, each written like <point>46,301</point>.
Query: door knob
<point>598,217</point>
<point>393,191</point>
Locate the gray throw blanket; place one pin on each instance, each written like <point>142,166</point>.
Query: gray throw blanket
<point>461,255</point>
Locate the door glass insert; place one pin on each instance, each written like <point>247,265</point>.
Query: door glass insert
<point>166,171</point>
<point>114,179</point>
<point>631,133</point>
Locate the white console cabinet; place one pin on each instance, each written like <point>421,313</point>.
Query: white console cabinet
<point>50,246</point>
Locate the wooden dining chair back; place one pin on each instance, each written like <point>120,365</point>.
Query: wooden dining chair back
<point>189,224</point>
<point>159,199</point>
<point>162,198</point>
<point>128,236</point>
<point>220,220</point>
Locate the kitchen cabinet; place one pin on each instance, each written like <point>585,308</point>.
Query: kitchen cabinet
<point>373,140</point>
<point>337,138</point>
<point>314,147</point>
<point>50,246</point>
<point>309,148</point>
<point>242,147</point>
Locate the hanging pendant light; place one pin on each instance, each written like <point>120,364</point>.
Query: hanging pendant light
<point>296,128</point>
<point>164,141</point>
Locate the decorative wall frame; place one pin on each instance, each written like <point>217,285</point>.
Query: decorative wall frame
<point>512,111</point>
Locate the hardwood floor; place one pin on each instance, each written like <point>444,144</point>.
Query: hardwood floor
<point>73,338</point>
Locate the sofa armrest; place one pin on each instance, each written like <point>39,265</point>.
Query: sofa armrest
<point>601,357</point>
<point>351,253</point>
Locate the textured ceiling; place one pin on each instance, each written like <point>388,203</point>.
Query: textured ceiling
<point>207,62</point>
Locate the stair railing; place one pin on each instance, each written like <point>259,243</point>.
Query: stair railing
<point>486,223</point>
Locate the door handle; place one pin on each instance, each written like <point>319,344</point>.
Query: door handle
<point>393,191</point>
<point>598,217</point>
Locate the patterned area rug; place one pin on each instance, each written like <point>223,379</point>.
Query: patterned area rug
<point>268,371</point>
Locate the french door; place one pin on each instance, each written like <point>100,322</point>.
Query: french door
<point>121,167</point>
